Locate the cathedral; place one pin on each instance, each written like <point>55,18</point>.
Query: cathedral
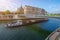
<point>20,10</point>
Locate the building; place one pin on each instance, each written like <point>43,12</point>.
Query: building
<point>33,12</point>
<point>20,10</point>
<point>26,12</point>
<point>19,13</point>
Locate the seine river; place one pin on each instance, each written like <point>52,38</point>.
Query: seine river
<point>26,33</point>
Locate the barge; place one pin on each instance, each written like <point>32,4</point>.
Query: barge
<point>19,23</point>
<point>15,24</point>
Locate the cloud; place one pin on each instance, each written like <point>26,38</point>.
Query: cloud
<point>8,4</point>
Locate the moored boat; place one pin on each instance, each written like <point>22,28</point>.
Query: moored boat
<point>15,24</point>
<point>24,22</point>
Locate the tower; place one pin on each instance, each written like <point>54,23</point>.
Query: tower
<point>20,10</point>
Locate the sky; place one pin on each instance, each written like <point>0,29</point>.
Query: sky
<point>12,5</point>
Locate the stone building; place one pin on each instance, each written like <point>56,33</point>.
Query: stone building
<point>26,12</point>
<point>19,13</point>
<point>20,10</point>
<point>33,12</point>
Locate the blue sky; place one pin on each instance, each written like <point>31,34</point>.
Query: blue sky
<point>48,5</point>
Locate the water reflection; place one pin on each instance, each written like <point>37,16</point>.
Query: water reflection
<point>50,25</point>
<point>25,33</point>
<point>21,33</point>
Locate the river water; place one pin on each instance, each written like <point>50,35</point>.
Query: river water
<point>23,33</point>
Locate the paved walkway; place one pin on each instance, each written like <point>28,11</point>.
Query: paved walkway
<point>54,35</point>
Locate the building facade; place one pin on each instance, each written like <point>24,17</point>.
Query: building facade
<point>26,12</point>
<point>20,10</point>
<point>33,12</point>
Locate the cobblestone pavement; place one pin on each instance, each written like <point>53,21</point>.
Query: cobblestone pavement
<point>54,35</point>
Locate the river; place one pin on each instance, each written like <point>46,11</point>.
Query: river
<point>26,33</point>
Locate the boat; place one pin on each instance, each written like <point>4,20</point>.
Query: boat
<point>15,24</point>
<point>23,22</point>
<point>55,35</point>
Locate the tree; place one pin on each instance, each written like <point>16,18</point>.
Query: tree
<point>7,12</point>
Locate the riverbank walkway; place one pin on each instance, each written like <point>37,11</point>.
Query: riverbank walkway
<point>54,35</point>
<point>23,18</point>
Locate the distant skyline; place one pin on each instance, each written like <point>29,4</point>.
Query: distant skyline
<point>49,5</point>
